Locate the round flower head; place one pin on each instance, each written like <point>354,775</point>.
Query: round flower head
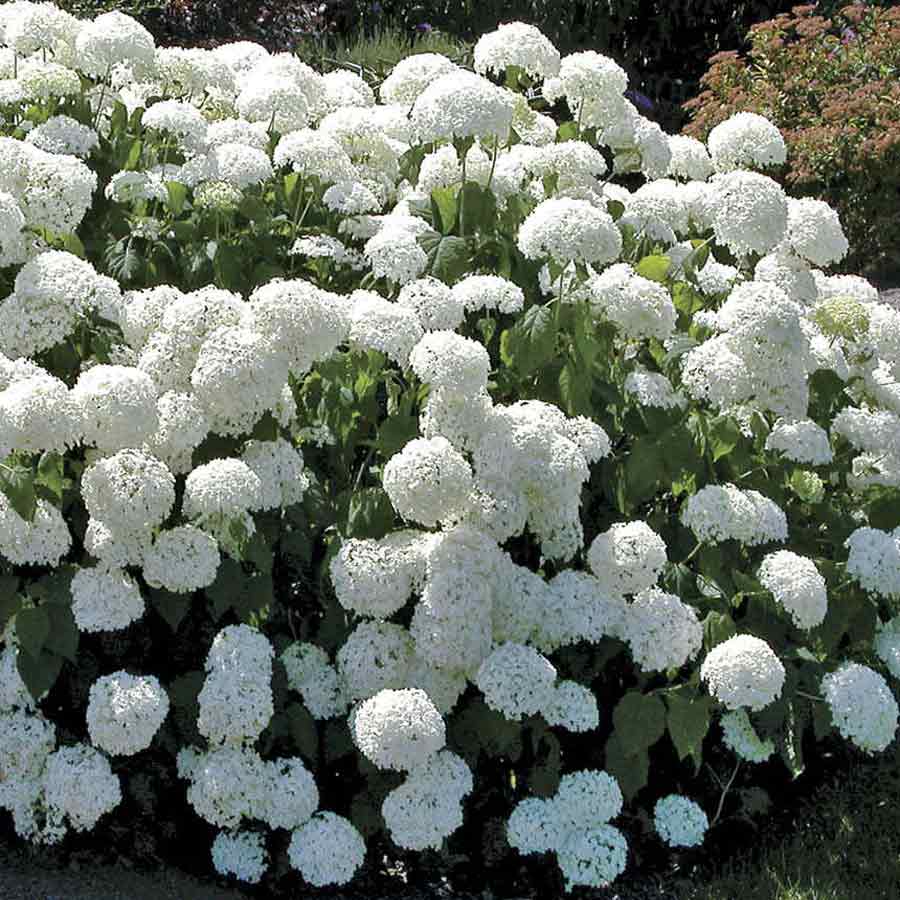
<point>586,799</point>
<point>310,673</point>
<point>796,584</point>
<point>652,389</point>
<point>690,159</point>
<point>517,681</point>
<point>587,78</point>
<point>569,231</point>
<point>105,599</point>
<point>436,305</point>
<point>63,135</point>
<point>398,729</point>
<point>80,785</point>
<point>378,324</point>
<point>516,44</point>
<point>129,492</point>
<point>749,212</point>
<point>874,560</point>
<point>489,292</point>
<point>573,707</point>
<point>443,359</point>
<point>376,656</point>
<point>222,487</point>
<point>279,467</point>
<point>113,38</point>
<point>428,481</point>
<point>532,826</point>
<point>627,558</point>
<point>35,415</point>
<point>412,75</point>
<point>116,405</point>
<point>42,541</point>
<point>291,797</point>
<point>242,854</point>
<point>862,706</point>
<point>327,850</point>
<point>802,441</point>
<point>125,712</point>
<point>746,141</point>
<point>663,632</point>
<point>594,857</point>
<point>182,560</point>
<point>679,821</point>
<point>814,232</point>
<point>459,105</point>
<point>743,672</point>
<point>724,512</point>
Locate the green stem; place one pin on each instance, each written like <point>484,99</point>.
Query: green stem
<point>462,198</point>
<point>725,791</point>
<point>692,554</point>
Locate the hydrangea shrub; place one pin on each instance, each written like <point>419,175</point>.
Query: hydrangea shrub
<point>402,474</point>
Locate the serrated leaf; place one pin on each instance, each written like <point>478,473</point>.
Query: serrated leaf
<point>479,207</point>
<point>448,256</point>
<point>51,475</point>
<point>723,436</point>
<point>444,202</point>
<point>717,628</point>
<point>531,341</point>
<point>32,628</point>
<point>177,196</point>
<point>639,720</point>
<point>172,607</point>
<point>370,514</point>
<point>304,732</point>
<point>688,722</point>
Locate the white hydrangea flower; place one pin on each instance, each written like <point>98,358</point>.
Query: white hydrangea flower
<point>739,735</point>
<point>228,784</point>
<point>180,120</point>
<point>489,292</point>
<point>887,645</point>
<point>437,306</point>
<point>378,324</point>
<point>327,850</point>
<point>182,560</point>
<point>749,212</point>
<point>743,672</point>
<point>291,794</point>
<point>724,512</point>
<point>627,558</point>
<point>42,541</point>
<point>862,706</point>
<point>653,389</point>
<point>279,467</point>
<point>797,585</point>
<point>36,414</point>
<point>80,785</point>
<point>105,599</point>
<point>802,441</point>
<point>517,681</point>
<point>221,488</point>
<point>116,405</point>
<point>412,75</point>
<point>376,656</point>
<point>815,233</point>
<point>569,231</point>
<point>690,159</point>
<point>125,712</point>
<point>312,675</point>
<point>444,359</point>
<point>639,307</point>
<point>63,135</point>
<point>593,857</point>
<point>112,38</point>
<point>680,821</point>
<point>788,271</point>
<point>745,141</point>
<point>398,729</point>
<point>242,854</point>
<point>428,481</point>
<point>516,44</point>
<point>662,632</point>
<point>460,104</point>
<point>236,699</point>
<point>874,560</point>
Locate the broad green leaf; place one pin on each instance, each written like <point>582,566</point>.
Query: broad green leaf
<point>444,202</point>
<point>448,257</point>
<point>717,628</point>
<point>229,267</point>
<point>370,514</point>
<point>568,131</point>
<point>177,196</point>
<point>615,208</point>
<point>639,720</point>
<point>480,208</point>
<point>10,599</point>
<point>544,775</point>
<point>629,766</point>
<point>656,268</point>
<point>723,436</point>
<point>531,341</point>
<point>17,483</point>
<point>575,390</point>
<point>39,673</point>
<point>304,731</point>
<point>133,158</point>
<point>63,636</point>
<point>51,475</point>
<point>688,723</point>
<point>32,628</point>
<point>172,607</point>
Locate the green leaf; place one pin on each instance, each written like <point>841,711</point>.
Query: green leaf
<point>544,776</point>
<point>480,208</point>
<point>656,268</point>
<point>32,628</point>
<point>615,208</point>
<point>370,514</point>
<point>444,207</point>
<point>531,341</point>
<point>51,475</point>
<point>17,483</point>
<point>639,720</point>
<point>630,768</point>
<point>228,265</point>
<point>248,594</point>
<point>575,390</point>
<point>304,732</point>
<point>63,636</point>
<point>568,131</point>
<point>717,628</point>
<point>688,723</point>
<point>10,599</point>
<point>134,156</point>
<point>448,256</point>
<point>172,607</point>
<point>72,243</point>
<point>39,673</point>
<point>723,436</point>
<point>396,432</point>
<point>177,196</point>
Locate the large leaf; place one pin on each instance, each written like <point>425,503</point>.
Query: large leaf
<point>688,723</point>
<point>370,514</point>
<point>531,341</point>
<point>449,257</point>
<point>39,673</point>
<point>628,765</point>
<point>444,202</point>
<point>63,636</point>
<point>32,628</point>
<point>172,607</point>
<point>639,720</point>
<point>656,268</point>
<point>17,483</point>
<point>304,732</point>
